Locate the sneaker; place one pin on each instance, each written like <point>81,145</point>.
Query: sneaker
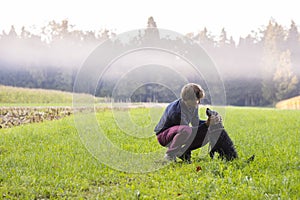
<point>170,158</point>
<point>186,157</point>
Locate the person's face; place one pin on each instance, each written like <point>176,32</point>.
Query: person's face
<point>192,103</point>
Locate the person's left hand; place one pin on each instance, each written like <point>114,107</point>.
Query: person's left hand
<point>214,119</point>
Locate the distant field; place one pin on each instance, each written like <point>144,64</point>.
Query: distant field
<point>23,105</point>
<point>48,161</point>
<point>24,96</point>
<point>292,103</point>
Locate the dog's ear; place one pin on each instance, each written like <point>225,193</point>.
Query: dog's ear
<point>208,112</point>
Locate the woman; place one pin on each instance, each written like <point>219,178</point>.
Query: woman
<point>174,130</point>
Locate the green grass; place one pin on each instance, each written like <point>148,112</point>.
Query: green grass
<point>48,160</point>
<point>16,96</point>
<point>24,96</point>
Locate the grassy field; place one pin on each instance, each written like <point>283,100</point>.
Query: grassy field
<point>16,96</point>
<point>292,103</point>
<point>49,161</point>
<point>24,96</point>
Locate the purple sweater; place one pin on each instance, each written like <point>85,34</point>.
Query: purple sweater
<point>177,113</point>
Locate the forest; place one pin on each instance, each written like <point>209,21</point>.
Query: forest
<point>258,70</point>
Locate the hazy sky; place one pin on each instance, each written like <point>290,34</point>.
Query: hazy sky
<point>238,17</point>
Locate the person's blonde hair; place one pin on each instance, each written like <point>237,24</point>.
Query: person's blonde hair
<point>192,91</point>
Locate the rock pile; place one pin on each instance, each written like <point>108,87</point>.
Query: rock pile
<point>15,116</point>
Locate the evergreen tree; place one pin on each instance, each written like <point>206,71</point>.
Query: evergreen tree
<point>292,41</point>
<point>273,44</point>
<point>151,23</point>
<point>285,81</point>
<point>151,32</point>
<point>223,38</point>
<point>293,44</point>
<point>24,33</point>
<point>12,33</point>
<point>205,39</point>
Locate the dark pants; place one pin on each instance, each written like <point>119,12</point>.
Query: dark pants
<point>181,139</point>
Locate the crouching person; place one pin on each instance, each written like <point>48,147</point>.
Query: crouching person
<point>180,129</point>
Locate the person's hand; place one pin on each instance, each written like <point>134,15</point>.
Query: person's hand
<point>214,119</point>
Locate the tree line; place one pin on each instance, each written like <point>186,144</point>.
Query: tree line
<point>258,70</point>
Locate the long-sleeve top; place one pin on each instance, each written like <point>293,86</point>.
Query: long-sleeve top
<point>177,113</point>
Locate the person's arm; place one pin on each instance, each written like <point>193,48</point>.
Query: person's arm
<point>162,122</point>
<point>195,119</point>
<point>168,120</point>
<point>177,119</point>
<point>201,121</point>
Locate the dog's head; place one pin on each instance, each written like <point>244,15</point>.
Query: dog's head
<point>210,112</point>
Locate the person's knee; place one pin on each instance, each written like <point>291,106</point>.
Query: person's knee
<point>185,129</point>
<point>184,133</point>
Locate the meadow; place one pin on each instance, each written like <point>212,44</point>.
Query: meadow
<point>10,96</point>
<point>49,161</point>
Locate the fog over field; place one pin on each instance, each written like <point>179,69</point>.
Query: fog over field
<point>51,58</point>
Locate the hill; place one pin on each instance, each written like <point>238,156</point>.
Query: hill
<point>292,103</point>
<point>18,95</point>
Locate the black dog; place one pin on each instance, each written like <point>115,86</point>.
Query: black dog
<point>220,141</point>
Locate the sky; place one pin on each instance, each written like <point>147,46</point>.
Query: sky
<point>238,17</point>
